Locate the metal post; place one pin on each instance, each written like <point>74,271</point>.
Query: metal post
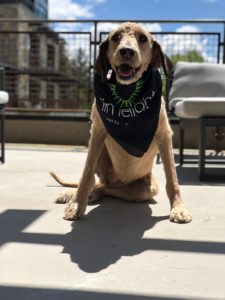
<point>181,144</point>
<point>201,165</point>
<point>224,43</point>
<point>95,40</point>
<point>2,136</point>
<point>2,78</point>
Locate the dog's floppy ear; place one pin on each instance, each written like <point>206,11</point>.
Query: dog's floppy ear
<point>159,58</point>
<point>102,63</point>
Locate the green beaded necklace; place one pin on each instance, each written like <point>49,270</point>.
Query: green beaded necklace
<point>131,99</point>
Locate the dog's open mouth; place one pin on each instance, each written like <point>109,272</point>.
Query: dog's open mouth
<point>126,71</point>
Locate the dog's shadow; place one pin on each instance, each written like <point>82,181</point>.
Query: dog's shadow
<point>109,231</point>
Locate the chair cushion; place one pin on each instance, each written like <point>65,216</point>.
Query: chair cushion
<point>4,97</point>
<point>198,80</point>
<point>197,107</point>
<point>198,90</point>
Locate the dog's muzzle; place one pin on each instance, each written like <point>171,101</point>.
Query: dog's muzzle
<point>126,71</point>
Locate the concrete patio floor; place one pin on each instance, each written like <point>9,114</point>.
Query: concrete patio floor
<point>119,251</point>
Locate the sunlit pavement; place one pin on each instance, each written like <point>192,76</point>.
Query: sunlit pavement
<point>120,250</point>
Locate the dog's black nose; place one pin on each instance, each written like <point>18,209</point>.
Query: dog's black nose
<point>127,53</point>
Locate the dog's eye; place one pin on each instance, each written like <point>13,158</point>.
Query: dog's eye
<point>142,38</point>
<point>116,37</point>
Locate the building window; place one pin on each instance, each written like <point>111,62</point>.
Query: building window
<point>51,56</point>
<point>41,9</point>
<point>34,51</point>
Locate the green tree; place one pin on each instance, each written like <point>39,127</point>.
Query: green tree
<point>76,71</point>
<point>80,71</point>
<point>191,56</point>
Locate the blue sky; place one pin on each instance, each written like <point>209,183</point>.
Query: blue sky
<point>140,9</point>
<point>144,10</point>
<point>160,9</point>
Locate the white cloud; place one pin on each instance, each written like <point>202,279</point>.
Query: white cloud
<point>105,27</point>
<point>210,1</point>
<point>181,42</point>
<point>69,10</point>
<point>187,28</point>
<point>96,2</point>
<point>152,27</point>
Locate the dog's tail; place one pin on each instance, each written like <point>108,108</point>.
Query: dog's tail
<point>63,183</point>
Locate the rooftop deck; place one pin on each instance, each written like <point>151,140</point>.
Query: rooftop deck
<point>119,251</point>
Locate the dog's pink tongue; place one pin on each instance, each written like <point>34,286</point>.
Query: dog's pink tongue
<point>125,70</point>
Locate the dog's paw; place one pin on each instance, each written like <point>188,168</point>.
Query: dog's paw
<point>74,211</point>
<point>95,195</point>
<point>66,197</point>
<point>180,214</point>
<point>154,190</point>
<point>154,187</point>
<point>93,198</point>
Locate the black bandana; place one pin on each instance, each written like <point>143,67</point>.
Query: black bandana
<point>130,113</point>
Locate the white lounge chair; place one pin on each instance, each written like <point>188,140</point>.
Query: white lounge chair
<point>198,92</point>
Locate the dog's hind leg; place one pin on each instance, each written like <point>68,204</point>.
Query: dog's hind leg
<point>65,196</point>
<point>102,170</point>
<point>143,189</point>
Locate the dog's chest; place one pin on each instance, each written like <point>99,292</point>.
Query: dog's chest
<point>126,167</point>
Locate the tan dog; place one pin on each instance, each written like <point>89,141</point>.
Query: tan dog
<point>121,174</point>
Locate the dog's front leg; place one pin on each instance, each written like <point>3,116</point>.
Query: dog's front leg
<point>76,209</point>
<point>179,213</point>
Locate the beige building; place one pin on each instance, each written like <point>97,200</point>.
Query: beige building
<point>33,56</point>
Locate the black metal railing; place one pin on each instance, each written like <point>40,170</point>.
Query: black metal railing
<point>49,64</point>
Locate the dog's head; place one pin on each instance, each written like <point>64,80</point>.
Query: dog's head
<point>129,50</point>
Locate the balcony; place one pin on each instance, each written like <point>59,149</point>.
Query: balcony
<point>120,250</point>
<point>49,71</point>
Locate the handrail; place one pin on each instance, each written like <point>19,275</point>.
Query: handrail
<point>46,78</point>
<point>212,21</point>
